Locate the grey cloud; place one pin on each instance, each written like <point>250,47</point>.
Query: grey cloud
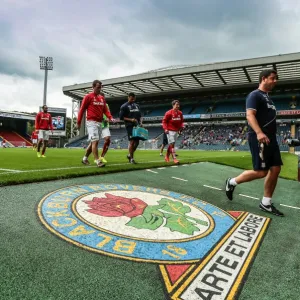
<point>105,39</point>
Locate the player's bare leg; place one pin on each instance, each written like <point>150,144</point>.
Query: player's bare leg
<point>162,149</point>
<point>95,149</point>
<point>246,176</point>
<point>96,154</point>
<point>131,147</point>
<point>88,151</point>
<point>105,148</point>
<point>45,144</point>
<point>39,147</point>
<point>269,188</point>
<point>136,144</point>
<point>167,157</point>
<point>250,175</point>
<point>271,181</point>
<point>172,151</point>
<point>133,144</point>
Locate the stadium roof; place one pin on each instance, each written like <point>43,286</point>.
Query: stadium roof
<point>196,77</point>
<point>16,115</point>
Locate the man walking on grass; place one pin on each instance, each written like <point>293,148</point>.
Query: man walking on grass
<point>131,114</point>
<point>43,123</point>
<point>105,136</point>
<point>95,105</point>
<point>172,124</point>
<point>266,158</point>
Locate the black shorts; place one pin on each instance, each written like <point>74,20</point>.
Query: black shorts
<point>129,133</point>
<point>165,139</point>
<point>266,156</point>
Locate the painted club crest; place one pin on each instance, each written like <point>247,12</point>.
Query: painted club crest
<point>146,224</point>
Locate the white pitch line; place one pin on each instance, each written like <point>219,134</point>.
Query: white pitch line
<point>151,171</point>
<point>249,197</point>
<point>162,168</point>
<point>174,166</point>
<point>179,179</point>
<point>290,206</point>
<point>184,165</point>
<point>67,168</point>
<point>10,170</point>
<point>212,187</point>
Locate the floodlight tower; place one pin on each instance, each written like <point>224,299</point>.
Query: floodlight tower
<point>46,63</point>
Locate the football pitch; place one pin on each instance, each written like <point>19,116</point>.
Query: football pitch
<point>44,257</point>
<point>21,165</point>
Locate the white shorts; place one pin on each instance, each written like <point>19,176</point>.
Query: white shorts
<point>34,141</point>
<point>172,137</point>
<point>43,134</point>
<point>105,132</point>
<point>94,130</point>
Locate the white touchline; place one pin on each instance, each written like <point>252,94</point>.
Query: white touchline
<point>249,197</point>
<point>67,168</point>
<point>174,166</point>
<point>179,179</point>
<point>10,170</point>
<point>212,187</point>
<point>290,206</point>
<point>151,171</point>
<point>184,165</point>
<point>162,168</point>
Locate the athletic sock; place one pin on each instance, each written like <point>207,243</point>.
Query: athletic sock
<point>173,153</point>
<point>266,201</point>
<point>169,150</point>
<point>85,157</point>
<point>233,182</point>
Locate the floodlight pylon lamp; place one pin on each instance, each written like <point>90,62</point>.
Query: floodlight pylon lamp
<point>49,63</point>
<point>42,62</point>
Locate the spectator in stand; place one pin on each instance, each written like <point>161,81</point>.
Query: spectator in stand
<point>4,143</point>
<point>34,139</point>
<point>172,124</point>
<point>95,105</point>
<point>43,123</point>
<point>131,114</point>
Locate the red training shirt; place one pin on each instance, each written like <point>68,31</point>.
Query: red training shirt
<point>34,135</point>
<point>173,120</point>
<point>43,121</point>
<point>95,106</point>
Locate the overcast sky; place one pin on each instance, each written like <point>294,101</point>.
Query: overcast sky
<point>110,38</point>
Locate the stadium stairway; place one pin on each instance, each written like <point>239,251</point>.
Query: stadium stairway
<point>8,143</point>
<point>14,138</point>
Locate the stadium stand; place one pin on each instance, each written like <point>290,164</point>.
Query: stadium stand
<point>222,136</point>
<point>14,138</point>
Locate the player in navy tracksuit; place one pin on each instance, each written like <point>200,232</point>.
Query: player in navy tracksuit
<point>131,114</point>
<point>266,158</point>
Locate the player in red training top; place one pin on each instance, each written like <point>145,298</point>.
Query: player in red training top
<point>43,123</point>
<point>95,105</point>
<point>172,124</point>
<point>34,138</point>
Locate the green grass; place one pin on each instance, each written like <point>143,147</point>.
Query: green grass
<point>66,163</point>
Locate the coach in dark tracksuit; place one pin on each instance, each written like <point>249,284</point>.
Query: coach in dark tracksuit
<point>266,158</point>
<point>131,115</point>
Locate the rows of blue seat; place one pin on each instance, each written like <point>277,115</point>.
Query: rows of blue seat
<point>226,107</point>
<point>118,137</point>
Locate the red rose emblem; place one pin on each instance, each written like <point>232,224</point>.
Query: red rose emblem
<point>115,206</point>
